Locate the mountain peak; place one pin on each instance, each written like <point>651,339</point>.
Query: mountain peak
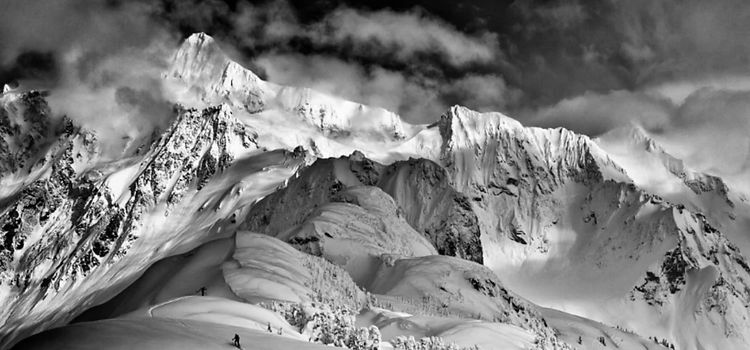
<point>206,70</point>
<point>200,39</point>
<point>199,54</point>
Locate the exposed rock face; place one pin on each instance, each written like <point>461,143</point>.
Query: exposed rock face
<point>554,208</point>
<point>432,206</point>
<point>26,129</point>
<point>701,249</point>
<point>67,225</point>
<point>480,148</point>
<point>420,188</point>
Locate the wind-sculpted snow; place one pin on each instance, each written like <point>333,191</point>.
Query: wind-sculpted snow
<point>460,288</point>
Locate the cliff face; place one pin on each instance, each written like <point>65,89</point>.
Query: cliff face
<point>477,148</point>
<point>420,188</point>
<point>73,222</point>
<point>557,214</point>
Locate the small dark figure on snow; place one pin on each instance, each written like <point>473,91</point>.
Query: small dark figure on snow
<point>202,291</point>
<point>280,331</point>
<point>236,341</point>
<point>270,330</point>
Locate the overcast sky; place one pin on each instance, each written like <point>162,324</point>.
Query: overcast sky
<point>680,68</point>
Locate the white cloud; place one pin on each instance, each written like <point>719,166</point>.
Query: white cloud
<point>402,36</point>
<point>407,34</point>
<point>594,114</point>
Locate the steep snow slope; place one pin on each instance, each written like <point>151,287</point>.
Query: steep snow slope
<point>70,237</point>
<point>329,126</point>
<point>357,226</point>
<point>420,188</point>
<point>559,217</point>
<point>658,172</point>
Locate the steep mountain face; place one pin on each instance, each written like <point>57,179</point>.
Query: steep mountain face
<point>658,172</point>
<point>420,188</point>
<point>202,70</point>
<point>558,216</point>
<point>212,76</point>
<point>31,140</point>
<point>71,229</point>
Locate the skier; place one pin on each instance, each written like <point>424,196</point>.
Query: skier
<point>280,331</point>
<point>236,341</point>
<point>202,291</point>
<point>270,330</point>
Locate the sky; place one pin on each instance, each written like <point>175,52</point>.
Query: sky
<point>679,68</point>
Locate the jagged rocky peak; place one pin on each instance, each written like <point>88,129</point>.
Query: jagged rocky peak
<point>198,145</point>
<point>32,139</point>
<point>479,148</point>
<point>63,227</point>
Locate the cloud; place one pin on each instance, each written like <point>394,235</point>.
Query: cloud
<point>704,123</point>
<point>594,114</point>
<point>563,49</point>
<point>409,62</point>
<point>398,36</point>
<point>377,86</point>
<point>711,131</point>
<point>407,35</point>
<point>101,62</point>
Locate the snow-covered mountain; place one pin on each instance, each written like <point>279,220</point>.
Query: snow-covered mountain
<point>324,219</point>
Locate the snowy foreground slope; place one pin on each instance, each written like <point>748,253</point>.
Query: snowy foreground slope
<point>339,223</point>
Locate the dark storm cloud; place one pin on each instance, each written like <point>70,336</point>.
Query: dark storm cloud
<point>31,66</point>
<point>87,53</point>
<point>411,61</point>
<point>679,68</point>
<point>566,48</point>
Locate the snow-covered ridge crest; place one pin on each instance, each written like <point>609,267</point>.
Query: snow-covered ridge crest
<point>204,70</point>
<point>472,141</point>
